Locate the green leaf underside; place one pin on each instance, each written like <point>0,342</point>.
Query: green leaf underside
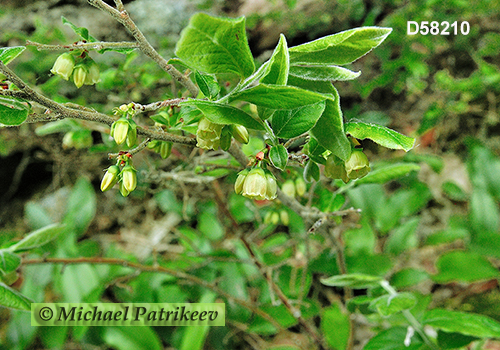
<point>387,305</point>
<point>224,114</point>
<point>208,85</point>
<point>279,64</point>
<point>7,54</point>
<point>13,299</point>
<point>462,322</point>
<point>323,73</point>
<point>279,156</point>
<point>321,86</point>
<point>388,173</point>
<point>339,49</point>
<point>329,129</point>
<point>288,123</point>
<point>380,134</point>
<point>353,280</point>
<point>216,45</point>
<point>38,238</point>
<point>394,339</point>
<point>81,31</point>
<point>278,97</point>
<point>13,111</point>
<point>8,261</point>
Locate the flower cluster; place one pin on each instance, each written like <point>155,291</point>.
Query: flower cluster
<point>81,68</point>
<point>164,148</point>
<point>208,135</point>
<point>274,217</point>
<point>126,177</point>
<point>214,136</point>
<point>355,167</point>
<point>294,187</point>
<point>124,129</point>
<point>256,183</point>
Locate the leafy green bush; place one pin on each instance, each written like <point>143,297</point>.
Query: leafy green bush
<point>291,271</point>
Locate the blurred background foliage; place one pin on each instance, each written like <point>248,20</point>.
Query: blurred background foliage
<point>433,233</point>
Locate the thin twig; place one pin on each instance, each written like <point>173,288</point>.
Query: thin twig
<point>160,269</point>
<point>284,299</point>
<point>98,45</point>
<point>123,17</point>
<point>27,93</point>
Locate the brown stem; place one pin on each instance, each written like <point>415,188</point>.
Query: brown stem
<point>80,45</point>
<point>29,94</point>
<point>284,299</point>
<point>160,269</point>
<point>123,17</point>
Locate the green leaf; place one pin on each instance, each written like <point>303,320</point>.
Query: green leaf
<point>8,261</point>
<point>311,171</point>
<point>7,54</point>
<point>323,73</point>
<point>194,337</point>
<point>381,135</point>
<point>339,49</point>
<point>224,114</point>
<point>13,111</point>
<point>216,45</point>
<point>453,340</point>
<point>321,86</point>
<point>278,66</point>
<point>278,97</point>
<point>484,214</point>
<point>387,305</point>
<point>278,156</point>
<point>81,31</point>
<point>81,206</point>
<point>13,299</point>
<point>402,238</point>
<point>289,123</point>
<point>329,130</point>
<point>464,266</point>
<point>353,280</point>
<point>38,238</point>
<point>462,322</point>
<point>394,339</point>
<point>336,327</point>
<point>408,277</point>
<point>138,338</point>
<point>207,84</point>
<point>388,173</point>
<point>315,151</point>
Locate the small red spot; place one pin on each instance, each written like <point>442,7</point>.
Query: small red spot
<point>260,156</point>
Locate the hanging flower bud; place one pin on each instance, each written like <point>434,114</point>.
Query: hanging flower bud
<point>357,166</point>
<point>208,134</point>
<point>271,186</point>
<point>240,133</point>
<point>285,219</point>
<point>300,186</point>
<point>132,133</point>
<point>288,188</point>
<point>64,65</point>
<point>119,130</point>
<point>129,178</point>
<point>165,149</point>
<point>255,185</point>
<point>93,72</point>
<point>238,185</point>
<point>123,190</point>
<point>335,168</point>
<point>79,75</point>
<point>110,178</point>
